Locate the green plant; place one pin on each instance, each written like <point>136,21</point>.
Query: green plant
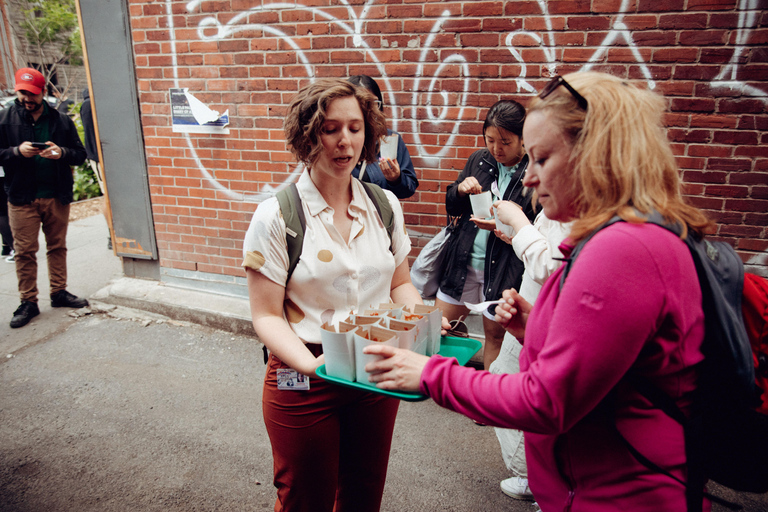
<point>50,28</point>
<point>86,185</point>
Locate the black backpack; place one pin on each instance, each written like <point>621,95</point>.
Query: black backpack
<point>726,439</point>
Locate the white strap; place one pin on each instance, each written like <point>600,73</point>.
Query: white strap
<point>362,170</point>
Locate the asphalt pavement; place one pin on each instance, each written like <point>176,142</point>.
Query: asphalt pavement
<point>150,401</point>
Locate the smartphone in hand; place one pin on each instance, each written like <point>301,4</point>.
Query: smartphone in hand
<point>39,145</point>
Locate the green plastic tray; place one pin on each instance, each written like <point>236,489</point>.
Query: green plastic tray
<point>461,348</point>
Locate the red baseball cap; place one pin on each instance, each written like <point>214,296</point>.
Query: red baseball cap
<point>28,79</point>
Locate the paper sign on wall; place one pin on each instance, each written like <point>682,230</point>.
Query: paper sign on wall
<point>190,115</point>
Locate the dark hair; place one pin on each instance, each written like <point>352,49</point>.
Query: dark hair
<point>306,115</point>
<point>506,114</point>
<point>370,84</point>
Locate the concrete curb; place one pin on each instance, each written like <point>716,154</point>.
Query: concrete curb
<point>212,310</point>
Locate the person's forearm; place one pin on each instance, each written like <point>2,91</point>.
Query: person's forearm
<point>534,250</point>
<point>275,333</point>
<point>406,294</point>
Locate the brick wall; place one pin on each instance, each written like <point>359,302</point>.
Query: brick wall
<point>442,64</point>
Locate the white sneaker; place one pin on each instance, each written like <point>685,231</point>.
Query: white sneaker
<point>517,488</point>
<point>11,257</point>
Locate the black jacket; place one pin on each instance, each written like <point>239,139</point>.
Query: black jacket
<point>15,128</point>
<point>86,115</point>
<point>503,269</point>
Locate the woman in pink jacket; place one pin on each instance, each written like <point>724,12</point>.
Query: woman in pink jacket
<point>631,304</point>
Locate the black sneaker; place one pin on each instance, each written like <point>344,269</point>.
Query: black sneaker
<point>64,299</point>
<point>6,250</point>
<point>24,313</point>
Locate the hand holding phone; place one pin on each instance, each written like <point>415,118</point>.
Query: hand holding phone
<point>39,145</point>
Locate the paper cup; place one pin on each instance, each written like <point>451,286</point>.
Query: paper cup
<point>506,229</point>
<point>421,344</point>
<point>389,147</point>
<point>396,309</point>
<point>481,204</point>
<point>434,321</point>
<point>339,350</point>
<point>374,335</point>
<point>406,333</point>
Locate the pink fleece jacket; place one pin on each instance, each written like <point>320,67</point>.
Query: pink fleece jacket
<point>631,301</point>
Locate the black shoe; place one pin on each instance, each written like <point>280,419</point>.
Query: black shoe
<point>64,299</point>
<point>6,250</point>
<point>109,243</point>
<point>24,313</point>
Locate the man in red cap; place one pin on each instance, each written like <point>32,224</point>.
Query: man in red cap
<point>38,147</point>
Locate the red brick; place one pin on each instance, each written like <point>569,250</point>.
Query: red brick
<point>729,164</point>
<point>680,21</point>
<point>747,106</point>
<point>735,138</point>
<point>692,105</point>
<point>712,121</point>
<point>676,55</point>
<point>655,5</point>
<point>728,191</point>
<point>749,178</point>
<point>636,22</point>
<point>483,9</point>
<point>505,24</point>
<point>542,23</point>
<point>703,37</point>
<point>655,38</point>
<point>746,205</point>
<point>710,4</point>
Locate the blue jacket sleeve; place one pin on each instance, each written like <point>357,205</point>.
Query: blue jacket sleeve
<point>408,182</point>
<point>406,185</point>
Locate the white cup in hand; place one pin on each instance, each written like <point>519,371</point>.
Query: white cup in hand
<point>388,147</point>
<point>481,204</point>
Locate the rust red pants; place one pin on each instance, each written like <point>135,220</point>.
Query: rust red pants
<point>330,444</point>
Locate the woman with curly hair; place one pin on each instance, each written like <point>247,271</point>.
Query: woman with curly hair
<point>330,444</point>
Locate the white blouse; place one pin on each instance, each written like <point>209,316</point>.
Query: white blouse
<point>333,277</point>
<point>537,245</point>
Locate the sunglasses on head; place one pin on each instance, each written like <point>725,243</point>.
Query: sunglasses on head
<point>557,82</point>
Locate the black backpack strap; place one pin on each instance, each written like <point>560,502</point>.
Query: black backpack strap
<point>383,207</point>
<point>694,486</point>
<point>576,250</point>
<point>654,218</point>
<point>295,223</point>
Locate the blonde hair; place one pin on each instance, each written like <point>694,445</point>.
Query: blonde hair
<point>621,157</point>
<point>307,112</point>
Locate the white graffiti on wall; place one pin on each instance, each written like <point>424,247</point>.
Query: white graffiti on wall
<point>440,105</point>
